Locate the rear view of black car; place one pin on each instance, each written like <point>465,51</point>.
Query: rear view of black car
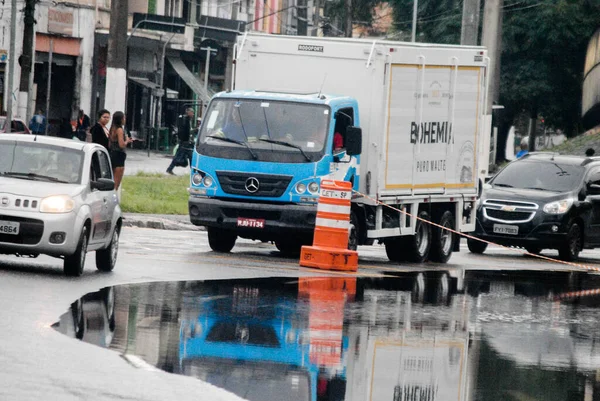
<point>542,201</point>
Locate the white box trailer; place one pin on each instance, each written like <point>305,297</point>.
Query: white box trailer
<point>426,130</point>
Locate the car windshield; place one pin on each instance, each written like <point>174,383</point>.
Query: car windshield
<point>541,175</point>
<point>41,162</point>
<point>260,128</point>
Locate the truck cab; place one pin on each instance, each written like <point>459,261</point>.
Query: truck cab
<point>259,159</point>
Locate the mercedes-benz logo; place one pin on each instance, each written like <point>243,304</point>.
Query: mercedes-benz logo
<point>252,185</point>
<point>5,201</point>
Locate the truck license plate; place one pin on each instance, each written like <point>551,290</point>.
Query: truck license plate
<point>250,223</point>
<point>506,229</point>
<point>9,227</point>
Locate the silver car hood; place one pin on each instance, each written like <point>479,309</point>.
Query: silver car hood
<point>37,189</point>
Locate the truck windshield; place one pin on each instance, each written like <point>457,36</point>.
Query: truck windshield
<point>273,130</point>
<point>542,175</point>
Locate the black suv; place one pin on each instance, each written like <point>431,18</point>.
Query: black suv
<point>543,200</point>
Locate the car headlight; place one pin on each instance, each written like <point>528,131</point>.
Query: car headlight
<point>313,187</point>
<point>196,179</point>
<point>57,204</point>
<point>207,181</point>
<point>558,207</point>
<point>301,188</point>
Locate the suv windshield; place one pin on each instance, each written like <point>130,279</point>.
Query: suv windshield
<point>540,174</point>
<point>40,162</point>
<point>264,130</point>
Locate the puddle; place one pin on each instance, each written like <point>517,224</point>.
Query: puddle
<point>418,337</point>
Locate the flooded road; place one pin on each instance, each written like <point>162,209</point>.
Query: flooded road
<point>417,336</point>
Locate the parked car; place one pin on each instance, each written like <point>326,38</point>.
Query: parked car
<point>57,198</point>
<point>18,126</point>
<point>542,201</point>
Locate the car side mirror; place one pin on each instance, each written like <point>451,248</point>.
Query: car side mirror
<point>594,189</point>
<point>353,141</point>
<point>103,184</point>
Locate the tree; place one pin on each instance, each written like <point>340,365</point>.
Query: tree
<point>336,15</point>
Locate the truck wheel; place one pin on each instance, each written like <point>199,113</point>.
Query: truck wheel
<point>395,248</point>
<point>73,264</point>
<point>289,248</point>
<point>418,245</point>
<point>476,246</point>
<point>443,240</point>
<point>570,251</point>
<point>221,240</point>
<point>353,233</point>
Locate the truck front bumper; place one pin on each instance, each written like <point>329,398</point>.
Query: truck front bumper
<point>285,219</point>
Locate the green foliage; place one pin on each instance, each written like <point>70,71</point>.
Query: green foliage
<point>362,13</point>
<point>438,21</point>
<point>155,194</point>
<point>152,6</point>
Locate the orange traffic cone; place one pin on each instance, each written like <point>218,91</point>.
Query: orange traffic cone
<point>330,245</point>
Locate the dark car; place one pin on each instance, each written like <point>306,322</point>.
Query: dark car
<point>542,201</point>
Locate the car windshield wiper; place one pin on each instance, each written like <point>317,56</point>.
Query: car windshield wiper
<point>32,176</point>
<point>540,189</point>
<point>503,185</point>
<point>289,145</point>
<point>225,139</point>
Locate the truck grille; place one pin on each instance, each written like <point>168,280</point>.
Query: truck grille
<point>506,211</point>
<point>269,185</point>
<point>30,231</point>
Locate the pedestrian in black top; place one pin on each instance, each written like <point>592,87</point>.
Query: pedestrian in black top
<point>99,130</point>
<point>184,135</point>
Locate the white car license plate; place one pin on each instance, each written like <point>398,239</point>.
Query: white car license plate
<point>9,227</point>
<point>506,229</point>
<point>250,223</point>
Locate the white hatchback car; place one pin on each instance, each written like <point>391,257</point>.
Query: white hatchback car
<point>57,198</point>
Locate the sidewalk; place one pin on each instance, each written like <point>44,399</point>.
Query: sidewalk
<point>157,163</point>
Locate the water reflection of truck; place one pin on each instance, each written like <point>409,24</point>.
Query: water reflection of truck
<point>250,340</point>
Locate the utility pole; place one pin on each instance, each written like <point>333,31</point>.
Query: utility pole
<point>348,32</point>
<point>161,90</point>
<point>11,64</point>
<point>49,84</point>
<point>209,50</point>
<point>470,22</point>
<point>414,21</point>
<point>116,65</point>
<point>302,18</point>
<point>316,18</point>
<point>26,59</point>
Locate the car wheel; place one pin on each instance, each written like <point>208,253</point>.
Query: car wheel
<point>418,245</point>
<point>476,246</point>
<point>221,240</point>
<point>533,250</point>
<point>395,248</point>
<point>570,251</point>
<point>106,259</point>
<point>73,264</point>
<point>443,240</point>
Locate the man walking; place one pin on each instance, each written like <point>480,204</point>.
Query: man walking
<point>184,134</point>
<point>37,125</point>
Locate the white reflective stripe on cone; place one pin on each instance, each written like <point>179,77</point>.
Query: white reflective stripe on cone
<point>324,207</point>
<point>344,224</point>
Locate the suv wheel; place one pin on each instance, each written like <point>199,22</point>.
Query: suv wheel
<point>570,250</point>
<point>476,246</point>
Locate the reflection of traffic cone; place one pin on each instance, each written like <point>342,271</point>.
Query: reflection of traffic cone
<point>327,298</point>
<point>330,246</point>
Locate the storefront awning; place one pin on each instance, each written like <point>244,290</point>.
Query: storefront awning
<point>190,79</point>
<point>144,82</point>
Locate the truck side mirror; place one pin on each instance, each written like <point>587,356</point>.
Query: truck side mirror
<point>353,141</point>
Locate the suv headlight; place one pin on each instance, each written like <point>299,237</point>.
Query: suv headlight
<point>57,204</point>
<point>558,207</point>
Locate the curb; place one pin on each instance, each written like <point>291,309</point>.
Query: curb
<point>159,224</point>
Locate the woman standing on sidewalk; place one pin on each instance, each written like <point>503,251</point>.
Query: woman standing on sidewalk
<point>99,131</point>
<point>117,143</point>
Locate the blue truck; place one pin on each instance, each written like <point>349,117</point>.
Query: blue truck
<point>404,123</point>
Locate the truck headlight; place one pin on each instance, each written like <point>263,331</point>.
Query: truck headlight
<point>301,188</point>
<point>558,207</point>
<point>313,187</point>
<point>207,181</point>
<point>57,204</point>
<point>196,179</point>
